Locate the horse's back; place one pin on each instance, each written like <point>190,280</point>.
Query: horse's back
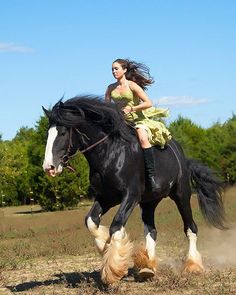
<point>171,167</point>
<point>170,160</point>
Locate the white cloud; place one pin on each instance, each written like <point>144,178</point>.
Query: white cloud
<point>180,101</point>
<point>11,47</point>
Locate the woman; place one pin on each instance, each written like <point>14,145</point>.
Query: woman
<point>128,92</point>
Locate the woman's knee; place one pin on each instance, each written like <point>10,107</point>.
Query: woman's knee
<point>143,138</point>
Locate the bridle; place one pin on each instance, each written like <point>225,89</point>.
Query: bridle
<point>70,153</point>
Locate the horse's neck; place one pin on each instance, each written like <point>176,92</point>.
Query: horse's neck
<point>98,155</point>
<point>109,151</point>
<point>91,138</point>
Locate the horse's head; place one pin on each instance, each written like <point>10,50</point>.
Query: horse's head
<point>82,123</point>
<point>60,146</point>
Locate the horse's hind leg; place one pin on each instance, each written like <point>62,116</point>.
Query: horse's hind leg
<point>100,232</point>
<point>145,258</point>
<point>194,261</point>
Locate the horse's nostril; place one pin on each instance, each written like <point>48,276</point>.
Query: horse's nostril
<point>49,168</point>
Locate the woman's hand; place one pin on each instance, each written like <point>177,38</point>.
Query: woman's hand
<point>127,110</point>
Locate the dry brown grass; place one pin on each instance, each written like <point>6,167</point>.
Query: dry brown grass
<point>53,253</point>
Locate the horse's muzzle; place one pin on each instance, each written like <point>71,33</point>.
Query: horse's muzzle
<point>52,171</point>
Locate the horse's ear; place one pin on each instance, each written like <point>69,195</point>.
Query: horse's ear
<point>47,113</point>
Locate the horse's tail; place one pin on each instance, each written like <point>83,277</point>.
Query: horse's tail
<point>209,191</point>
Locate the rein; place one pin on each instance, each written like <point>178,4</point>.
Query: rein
<point>94,144</point>
<point>67,156</point>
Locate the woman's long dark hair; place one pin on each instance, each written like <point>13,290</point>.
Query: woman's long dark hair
<point>136,72</point>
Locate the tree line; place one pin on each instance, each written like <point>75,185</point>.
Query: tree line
<point>23,181</point>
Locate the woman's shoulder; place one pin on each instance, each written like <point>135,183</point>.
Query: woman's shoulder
<point>132,85</point>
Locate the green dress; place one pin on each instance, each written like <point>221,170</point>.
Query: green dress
<point>158,134</point>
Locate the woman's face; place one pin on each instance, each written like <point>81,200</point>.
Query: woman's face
<point>117,70</point>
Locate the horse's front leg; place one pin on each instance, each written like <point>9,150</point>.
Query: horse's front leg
<point>100,232</point>
<point>118,253</point>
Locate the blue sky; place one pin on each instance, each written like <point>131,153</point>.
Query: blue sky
<point>53,48</point>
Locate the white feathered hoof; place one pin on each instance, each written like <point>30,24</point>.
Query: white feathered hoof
<point>117,258</point>
<point>191,266</point>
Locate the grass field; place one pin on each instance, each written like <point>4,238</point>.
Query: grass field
<point>53,253</point>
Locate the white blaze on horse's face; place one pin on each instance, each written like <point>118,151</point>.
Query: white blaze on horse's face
<point>49,166</point>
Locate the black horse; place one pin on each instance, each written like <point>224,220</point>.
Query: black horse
<point>110,145</point>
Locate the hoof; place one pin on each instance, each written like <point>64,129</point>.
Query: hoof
<point>192,267</point>
<point>142,261</point>
<point>145,274</point>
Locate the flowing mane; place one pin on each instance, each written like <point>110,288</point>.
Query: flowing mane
<point>95,110</point>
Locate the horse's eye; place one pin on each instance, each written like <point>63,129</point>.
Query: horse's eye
<point>63,134</point>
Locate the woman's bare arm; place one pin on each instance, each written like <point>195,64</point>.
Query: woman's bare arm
<point>140,93</point>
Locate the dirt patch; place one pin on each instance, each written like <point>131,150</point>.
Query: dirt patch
<point>53,253</point>
<point>80,275</point>
<point>57,276</point>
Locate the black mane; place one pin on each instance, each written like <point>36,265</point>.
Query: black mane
<point>92,109</point>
